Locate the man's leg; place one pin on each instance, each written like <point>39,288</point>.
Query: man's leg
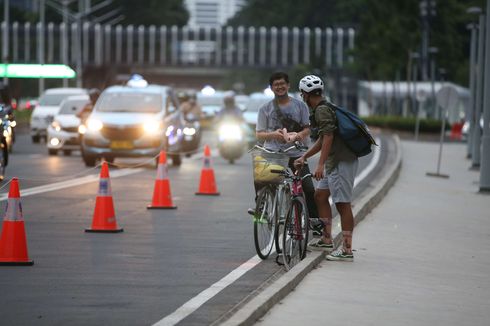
<point>347,222</point>
<point>324,213</point>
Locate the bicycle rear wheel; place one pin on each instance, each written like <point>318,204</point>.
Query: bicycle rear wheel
<point>295,236</point>
<point>264,223</point>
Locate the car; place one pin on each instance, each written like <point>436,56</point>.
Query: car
<point>211,102</point>
<point>255,102</point>
<point>49,105</point>
<point>466,129</point>
<point>63,131</point>
<point>134,120</point>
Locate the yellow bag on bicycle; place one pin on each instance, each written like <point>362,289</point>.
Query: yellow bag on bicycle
<point>262,170</point>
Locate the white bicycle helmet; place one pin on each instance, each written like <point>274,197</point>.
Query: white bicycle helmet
<point>310,83</point>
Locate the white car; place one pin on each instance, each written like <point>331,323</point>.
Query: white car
<point>131,121</point>
<point>49,105</point>
<point>63,131</point>
<point>256,100</point>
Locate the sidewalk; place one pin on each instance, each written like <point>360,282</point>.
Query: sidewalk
<point>422,255</point>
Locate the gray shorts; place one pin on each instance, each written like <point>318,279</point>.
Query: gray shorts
<point>340,181</point>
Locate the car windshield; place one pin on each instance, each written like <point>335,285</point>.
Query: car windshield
<point>55,99</point>
<point>210,101</point>
<point>129,102</point>
<point>72,107</point>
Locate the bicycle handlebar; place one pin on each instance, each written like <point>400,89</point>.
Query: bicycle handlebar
<point>297,145</point>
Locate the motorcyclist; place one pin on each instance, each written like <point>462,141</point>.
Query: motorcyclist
<point>230,110</point>
<point>94,94</point>
<point>190,108</point>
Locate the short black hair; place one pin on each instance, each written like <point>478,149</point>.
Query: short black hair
<point>277,76</point>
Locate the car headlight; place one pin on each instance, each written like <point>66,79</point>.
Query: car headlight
<point>94,125</point>
<point>152,127</point>
<point>82,129</point>
<point>230,132</point>
<point>189,131</point>
<point>56,125</point>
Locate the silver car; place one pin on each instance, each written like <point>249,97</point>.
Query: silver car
<point>129,122</point>
<point>63,131</point>
<point>49,105</point>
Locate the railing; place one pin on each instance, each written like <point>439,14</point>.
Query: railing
<point>87,44</point>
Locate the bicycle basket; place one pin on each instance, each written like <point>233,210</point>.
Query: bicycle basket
<point>263,165</point>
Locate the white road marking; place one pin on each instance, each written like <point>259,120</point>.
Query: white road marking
<point>70,183</point>
<point>193,304</point>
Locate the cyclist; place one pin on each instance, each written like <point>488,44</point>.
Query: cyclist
<point>280,122</point>
<point>335,172</point>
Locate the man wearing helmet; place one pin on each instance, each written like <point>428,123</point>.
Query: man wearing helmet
<point>282,121</point>
<point>335,172</point>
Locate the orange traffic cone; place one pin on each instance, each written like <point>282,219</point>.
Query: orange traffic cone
<point>207,185</point>
<point>104,219</point>
<point>162,198</point>
<point>13,243</point>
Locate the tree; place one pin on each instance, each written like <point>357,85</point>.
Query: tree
<point>387,30</point>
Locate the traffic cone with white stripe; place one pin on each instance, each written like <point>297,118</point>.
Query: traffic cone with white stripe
<point>207,184</point>
<point>162,197</point>
<point>13,242</point>
<point>104,219</point>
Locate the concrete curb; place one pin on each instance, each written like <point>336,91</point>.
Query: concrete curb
<point>264,301</point>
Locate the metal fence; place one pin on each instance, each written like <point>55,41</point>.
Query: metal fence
<point>88,44</point>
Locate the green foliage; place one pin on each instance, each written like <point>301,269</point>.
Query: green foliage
<point>23,117</point>
<point>387,30</point>
<point>403,123</point>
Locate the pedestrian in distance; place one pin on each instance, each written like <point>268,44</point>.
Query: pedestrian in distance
<point>282,121</point>
<point>335,172</point>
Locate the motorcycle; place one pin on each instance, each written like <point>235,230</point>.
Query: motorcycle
<point>231,139</point>
<point>192,135</point>
<point>6,139</point>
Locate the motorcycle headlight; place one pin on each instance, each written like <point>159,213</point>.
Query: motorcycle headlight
<point>13,123</point>
<point>189,131</point>
<point>169,130</point>
<point>94,125</point>
<point>152,127</point>
<point>56,125</point>
<point>230,132</point>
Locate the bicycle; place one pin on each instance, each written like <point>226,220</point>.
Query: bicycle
<point>296,224</point>
<point>273,199</point>
<point>269,198</point>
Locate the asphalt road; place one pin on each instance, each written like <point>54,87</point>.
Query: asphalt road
<point>162,260</point>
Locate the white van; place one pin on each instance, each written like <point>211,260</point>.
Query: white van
<point>48,107</point>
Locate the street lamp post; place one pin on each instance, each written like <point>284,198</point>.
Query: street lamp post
<point>477,104</point>
<point>473,27</point>
<point>433,52</point>
<point>5,36</point>
<point>415,105</point>
<point>485,157</point>
<point>427,12</point>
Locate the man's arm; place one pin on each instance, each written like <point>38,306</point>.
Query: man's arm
<point>327,140</point>
<point>264,135</point>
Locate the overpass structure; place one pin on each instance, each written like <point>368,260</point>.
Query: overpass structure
<point>175,50</point>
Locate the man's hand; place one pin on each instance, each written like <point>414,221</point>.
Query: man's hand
<point>319,173</point>
<point>299,162</point>
<point>277,135</point>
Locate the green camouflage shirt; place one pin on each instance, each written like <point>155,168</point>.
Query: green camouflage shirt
<point>327,123</point>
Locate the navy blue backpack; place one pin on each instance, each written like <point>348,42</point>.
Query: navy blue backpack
<point>353,131</point>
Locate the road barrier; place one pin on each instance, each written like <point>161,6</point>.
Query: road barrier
<point>13,242</point>
<point>104,219</point>
<point>207,183</point>
<point>162,196</point>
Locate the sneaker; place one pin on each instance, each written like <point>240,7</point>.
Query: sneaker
<point>339,255</point>
<point>316,226</point>
<point>320,245</point>
<point>251,211</point>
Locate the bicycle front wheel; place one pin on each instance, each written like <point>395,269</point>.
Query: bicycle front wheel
<point>264,223</point>
<point>295,236</point>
